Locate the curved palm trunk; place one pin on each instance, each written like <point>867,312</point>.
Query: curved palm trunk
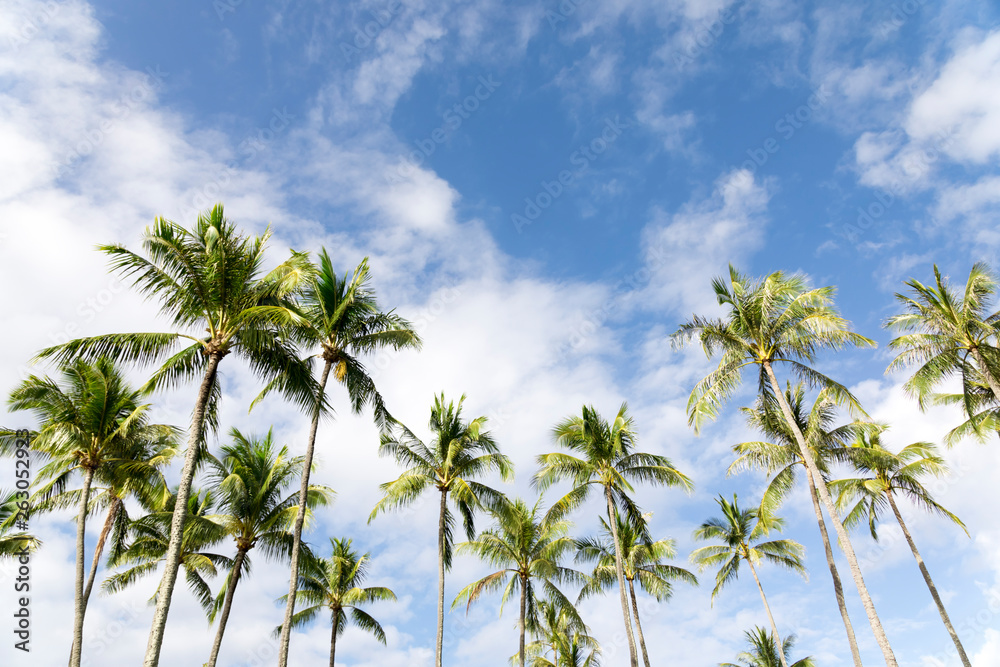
<point>80,607</point>
<point>286,626</point>
<point>838,525</point>
<point>333,634</point>
<point>173,557</point>
<point>98,551</point>
<point>634,660</point>
<point>930,584</point>
<point>767,608</point>
<point>520,624</point>
<point>838,589</point>
<point>227,606</point>
<point>638,626</point>
<point>440,618</point>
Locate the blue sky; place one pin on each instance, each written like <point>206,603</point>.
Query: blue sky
<point>546,189</point>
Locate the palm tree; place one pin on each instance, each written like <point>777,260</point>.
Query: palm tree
<point>607,459</point>
<point>527,548</point>
<point>341,318</point>
<point>92,420</point>
<point>335,583</point>
<point>740,532</point>
<point>884,475</point>
<point>460,452</point>
<point>149,539</point>
<point>780,457</point>
<point>952,334</point>
<point>14,543</point>
<point>207,279</point>
<point>641,561</point>
<point>764,651</point>
<point>558,629</point>
<point>251,478</point>
<point>778,320</point>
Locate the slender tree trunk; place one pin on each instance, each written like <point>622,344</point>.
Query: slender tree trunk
<point>80,607</point>
<point>227,605</point>
<point>98,551</point>
<point>333,634</point>
<point>633,658</point>
<point>638,626</point>
<point>520,624</point>
<point>440,619</point>
<point>838,525</point>
<point>173,557</point>
<point>838,589</point>
<point>930,584</point>
<point>293,583</point>
<point>767,608</point>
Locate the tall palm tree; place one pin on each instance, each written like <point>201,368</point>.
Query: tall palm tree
<point>778,320</point>
<point>946,334</point>
<point>607,459</point>
<point>335,583</point>
<point>13,543</point>
<point>251,478</point>
<point>460,452</point>
<point>91,420</point>
<point>641,561</point>
<point>528,548</point>
<point>884,475</point>
<point>559,630</point>
<point>209,279</point>
<point>764,651</point>
<point>341,318</point>
<point>740,532</point>
<point>148,539</point>
<point>780,457</point>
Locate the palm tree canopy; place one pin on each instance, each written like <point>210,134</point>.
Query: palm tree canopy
<point>13,543</point>
<point>740,531</point>
<point>763,651</point>
<point>775,319</point>
<point>459,453</point>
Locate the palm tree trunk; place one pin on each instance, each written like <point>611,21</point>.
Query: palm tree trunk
<point>80,607</point>
<point>767,608</point>
<point>633,658</point>
<point>173,557</point>
<point>638,626</point>
<point>333,634</point>
<point>440,618</point>
<point>520,624</point>
<point>838,589</point>
<point>930,584</point>
<point>838,525</point>
<point>227,605</point>
<point>293,583</point>
<point>98,551</point>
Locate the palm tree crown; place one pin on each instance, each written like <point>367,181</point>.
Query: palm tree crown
<point>764,651</point>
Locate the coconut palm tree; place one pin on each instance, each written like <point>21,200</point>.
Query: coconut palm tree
<point>947,334</point>
<point>778,320</point>
<point>209,279</point>
<point>459,453</point>
<point>90,420</point>
<point>641,561</point>
<point>343,320</point>
<point>764,651</point>
<point>251,479</point>
<point>14,543</point>
<point>528,548</point>
<point>884,476</point>
<point>559,631</point>
<point>335,583</point>
<point>607,459</point>
<point>148,539</point>
<point>780,458</point>
<point>740,532</point>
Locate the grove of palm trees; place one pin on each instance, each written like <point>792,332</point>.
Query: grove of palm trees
<point>573,555</point>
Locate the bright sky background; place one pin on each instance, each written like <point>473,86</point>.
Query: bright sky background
<point>546,189</point>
